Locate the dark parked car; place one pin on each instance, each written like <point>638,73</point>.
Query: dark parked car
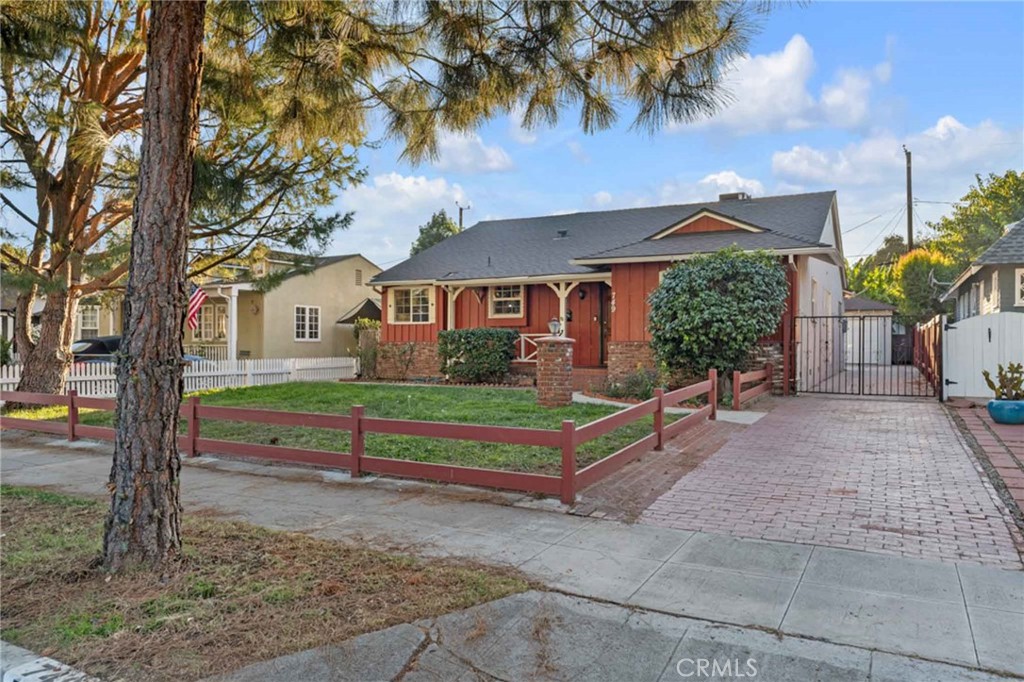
<point>102,349</point>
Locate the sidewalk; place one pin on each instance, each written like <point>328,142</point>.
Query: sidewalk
<point>957,613</point>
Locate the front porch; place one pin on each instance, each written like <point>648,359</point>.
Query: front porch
<point>229,324</point>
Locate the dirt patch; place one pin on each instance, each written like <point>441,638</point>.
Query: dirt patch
<point>240,594</point>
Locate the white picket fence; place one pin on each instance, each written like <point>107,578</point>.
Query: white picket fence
<point>97,380</point>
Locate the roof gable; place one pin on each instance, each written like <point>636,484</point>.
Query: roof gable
<point>706,220</point>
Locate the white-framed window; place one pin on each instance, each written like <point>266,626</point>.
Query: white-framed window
<point>307,323</point>
<point>359,277</point>
<point>1018,287</point>
<point>506,300</point>
<point>88,321</point>
<point>211,323</point>
<point>411,305</point>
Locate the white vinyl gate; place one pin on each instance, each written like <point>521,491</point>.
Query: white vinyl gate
<point>97,380</point>
<point>978,343</point>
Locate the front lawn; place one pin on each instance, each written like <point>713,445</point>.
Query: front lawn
<point>460,404</point>
<point>241,594</point>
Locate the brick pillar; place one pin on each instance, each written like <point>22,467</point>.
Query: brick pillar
<point>554,371</point>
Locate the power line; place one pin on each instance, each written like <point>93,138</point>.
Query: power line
<point>887,229</point>
<point>869,220</point>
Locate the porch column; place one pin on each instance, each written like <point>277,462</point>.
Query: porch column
<point>232,323</point>
<point>562,291</point>
<point>453,295</point>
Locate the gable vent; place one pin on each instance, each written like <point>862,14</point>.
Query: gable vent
<point>734,196</point>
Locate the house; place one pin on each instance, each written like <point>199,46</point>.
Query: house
<point>592,273</point>
<point>994,282</point>
<point>310,313</point>
<point>872,335</point>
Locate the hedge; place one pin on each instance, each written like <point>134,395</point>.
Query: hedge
<point>476,355</point>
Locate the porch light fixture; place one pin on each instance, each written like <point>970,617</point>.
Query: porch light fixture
<point>583,293</point>
<point>554,326</point>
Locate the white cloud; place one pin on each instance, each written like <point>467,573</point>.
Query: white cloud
<point>515,127</point>
<point>601,198</point>
<point>467,153</point>
<point>770,92</point>
<point>708,188</point>
<point>870,174</point>
<point>578,152</point>
<point>389,209</point>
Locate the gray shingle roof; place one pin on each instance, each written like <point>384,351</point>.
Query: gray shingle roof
<point>864,303</point>
<point>1008,249</point>
<point>546,245</point>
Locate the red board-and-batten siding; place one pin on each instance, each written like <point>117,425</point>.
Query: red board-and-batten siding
<point>541,307</point>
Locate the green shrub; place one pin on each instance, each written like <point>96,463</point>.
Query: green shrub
<point>477,355</point>
<point>710,310</point>
<point>638,385</point>
<point>6,351</point>
<point>363,324</point>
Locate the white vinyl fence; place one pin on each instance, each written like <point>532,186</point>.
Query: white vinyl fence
<point>978,343</point>
<point>97,380</point>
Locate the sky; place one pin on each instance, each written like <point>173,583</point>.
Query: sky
<point>824,100</point>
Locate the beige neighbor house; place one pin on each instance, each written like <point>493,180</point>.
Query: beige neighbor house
<point>311,313</point>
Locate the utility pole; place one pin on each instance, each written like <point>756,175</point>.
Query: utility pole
<point>461,209</point>
<point>910,202</point>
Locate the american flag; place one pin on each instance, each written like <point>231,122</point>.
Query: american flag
<point>195,301</point>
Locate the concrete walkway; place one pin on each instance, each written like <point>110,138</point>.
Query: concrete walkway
<point>963,614</point>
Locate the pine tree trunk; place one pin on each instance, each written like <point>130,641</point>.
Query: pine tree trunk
<point>46,365</point>
<point>143,526</point>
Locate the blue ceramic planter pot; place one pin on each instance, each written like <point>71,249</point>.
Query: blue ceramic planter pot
<point>1006,411</point>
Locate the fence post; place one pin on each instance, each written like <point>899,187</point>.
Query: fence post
<point>737,387</point>
<point>713,393</point>
<point>659,418</point>
<point>193,426</point>
<point>769,376</point>
<point>358,442</point>
<point>72,414</point>
<point>568,461</point>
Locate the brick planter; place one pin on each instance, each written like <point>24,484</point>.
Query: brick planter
<point>554,371</point>
<point>626,357</point>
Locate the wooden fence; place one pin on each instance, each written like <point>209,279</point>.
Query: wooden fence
<point>97,379</point>
<point>739,379</point>
<point>568,438</point>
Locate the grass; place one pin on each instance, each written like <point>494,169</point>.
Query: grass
<point>239,595</point>
<point>493,406</point>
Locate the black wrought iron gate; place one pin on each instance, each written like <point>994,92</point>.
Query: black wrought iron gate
<point>857,355</point>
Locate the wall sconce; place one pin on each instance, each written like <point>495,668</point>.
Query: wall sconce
<point>554,326</point>
<point>254,308</point>
<point>583,293</point>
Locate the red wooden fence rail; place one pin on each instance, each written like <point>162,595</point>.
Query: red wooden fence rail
<point>567,439</point>
<point>739,396</point>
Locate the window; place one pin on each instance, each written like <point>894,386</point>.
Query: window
<point>359,277</point>
<point>307,323</point>
<point>507,301</point>
<point>88,321</point>
<point>414,305</point>
<point>1018,288</point>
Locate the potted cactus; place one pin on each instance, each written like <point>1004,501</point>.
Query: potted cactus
<point>1008,406</point>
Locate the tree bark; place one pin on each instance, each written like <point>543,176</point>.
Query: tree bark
<point>143,526</point>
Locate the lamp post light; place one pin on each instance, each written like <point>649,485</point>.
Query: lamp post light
<point>554,326</point>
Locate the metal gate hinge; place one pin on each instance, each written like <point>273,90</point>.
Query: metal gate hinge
<point>950,381</point>
<point>947,327</point>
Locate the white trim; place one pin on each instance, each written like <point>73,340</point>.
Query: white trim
<point>959,281</point>
<point>1018,287</point>
<point>810,250</point>
<point>306,325</point>
<point>707,213</point>
<point>605,277</point>
<point>431,310</point>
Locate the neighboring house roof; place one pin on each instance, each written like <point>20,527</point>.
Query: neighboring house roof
<point>368,307</point>
<point>301,261</point>
<point>1007,250</point>
<point>567,244</point>
<point>863,303</point>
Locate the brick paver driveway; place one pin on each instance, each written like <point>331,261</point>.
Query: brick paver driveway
<point>892,477</point>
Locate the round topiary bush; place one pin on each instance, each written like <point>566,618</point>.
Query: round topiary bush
<point>710,310</point>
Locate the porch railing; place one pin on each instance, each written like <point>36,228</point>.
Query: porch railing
<point>209,351</point>
<point>526,347</point>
